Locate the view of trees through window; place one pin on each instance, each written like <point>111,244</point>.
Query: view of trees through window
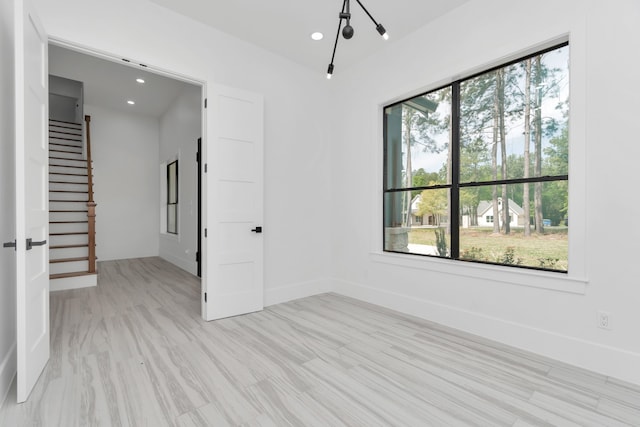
<point>493,148</point>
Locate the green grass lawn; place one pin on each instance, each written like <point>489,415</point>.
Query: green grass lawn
<point>549,250</point>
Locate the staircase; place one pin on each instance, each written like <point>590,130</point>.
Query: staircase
<point>71,208</point>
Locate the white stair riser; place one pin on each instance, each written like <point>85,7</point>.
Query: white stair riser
<point>68,178</point>
<point>81,197</point>
<point>68,240</point>
<point>68,253</point>
<point>69,162</point>
<point>80,186</point>
<point>75,127</point>
<point>67,228</point>
<point>77,156</point>
<point>68,267</point>
<point>54,206</point>
<point>67,216</point>
<point>65,133</point>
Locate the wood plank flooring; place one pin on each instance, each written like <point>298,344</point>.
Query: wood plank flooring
<point>134,352</point>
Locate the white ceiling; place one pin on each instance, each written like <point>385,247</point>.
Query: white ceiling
<point>111,84</point>
<point>285,26</point>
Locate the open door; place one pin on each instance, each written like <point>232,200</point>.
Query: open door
<point>233,282</point>
<point>32,211</point>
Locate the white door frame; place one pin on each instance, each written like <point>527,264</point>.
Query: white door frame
<point>109,56</point>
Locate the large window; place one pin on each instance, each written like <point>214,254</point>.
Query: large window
<point>478,170</point>
<point>172,197</point>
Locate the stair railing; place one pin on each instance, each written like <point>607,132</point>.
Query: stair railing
<point>91,205</point>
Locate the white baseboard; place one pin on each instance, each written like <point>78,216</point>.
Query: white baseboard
<point>7,373</point>
<point>295,291</point>
<point>78,282</point>
<point>609,361</point>
<point>187,265</point>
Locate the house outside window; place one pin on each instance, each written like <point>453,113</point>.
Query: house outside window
<point>172,197</point>
<point>487,157</point>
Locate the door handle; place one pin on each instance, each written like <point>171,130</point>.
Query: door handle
<point>10,245</point>
<point>31,244</point>
<point>257,230</point>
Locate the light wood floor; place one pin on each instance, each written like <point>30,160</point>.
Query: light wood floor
<point>134,352</point>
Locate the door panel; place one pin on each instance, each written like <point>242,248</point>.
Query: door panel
<point>234,265</point>
<point>32,265</point>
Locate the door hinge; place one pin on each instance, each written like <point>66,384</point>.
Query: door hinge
<point>205,103</point>
<point>205,168</point>
<point>197,157</point>
<point>197,256</point>
<point>205,297</point>
<point>205,232</point>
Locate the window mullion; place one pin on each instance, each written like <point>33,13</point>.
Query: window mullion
<point>454,206</point>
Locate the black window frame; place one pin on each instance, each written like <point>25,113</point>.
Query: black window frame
<point>172,204</point>
<point>455,185</point>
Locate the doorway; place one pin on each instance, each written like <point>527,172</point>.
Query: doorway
<point>129,174</point>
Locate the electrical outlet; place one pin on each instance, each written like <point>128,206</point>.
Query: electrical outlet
<point>604,320</point>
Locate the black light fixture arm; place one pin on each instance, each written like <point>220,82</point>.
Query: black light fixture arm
<point>335,45</point>
<point>367,12</point>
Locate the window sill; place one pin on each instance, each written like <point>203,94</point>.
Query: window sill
<point>559,282</point>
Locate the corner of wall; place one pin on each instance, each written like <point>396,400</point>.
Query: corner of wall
<point>296,291</point>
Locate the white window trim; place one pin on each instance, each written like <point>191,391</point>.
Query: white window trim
<point>576,280</point>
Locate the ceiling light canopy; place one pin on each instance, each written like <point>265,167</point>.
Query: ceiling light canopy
<point>317,36</point>
<point>348,31</point>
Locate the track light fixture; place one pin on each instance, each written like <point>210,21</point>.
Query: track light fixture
<point>348,32</point>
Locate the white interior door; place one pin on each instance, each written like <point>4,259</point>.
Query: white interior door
<point>32,210</point>
<point>233,275</point>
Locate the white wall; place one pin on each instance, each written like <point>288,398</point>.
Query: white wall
<point>180,128</point>
<point>66,99</point>
<point>7,201</point>
<point>296,102</point>
<point>514,308</point>
<point>124,149</point>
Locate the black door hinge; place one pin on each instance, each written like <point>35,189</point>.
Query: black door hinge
<point>197,157</point>
<point>205,103</point>
<point>205,168</point>
<point>197,256</point>
<point>205,297</point>
<point>205,232</point>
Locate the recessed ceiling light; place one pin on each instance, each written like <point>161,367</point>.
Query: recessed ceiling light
<point>317,36</point>
<point>140,81</point>
<point>131,102</point>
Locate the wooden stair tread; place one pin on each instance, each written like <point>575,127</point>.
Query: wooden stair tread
<point>67,191</point>
<point>65,133</point>
<point>65,151</point>
<point>59,260</point>
<point>79,245</point>
<point>64,145</point>
<point>73,274</point>
<point>68,182</point>
<point>68,211</point>
<point>64,158</point>
<point>68,222</point>
<point>67,166</point>
<point>62,121</point>
<point>67,201</point>
<point>67,174</point>
<point>73,233</point>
